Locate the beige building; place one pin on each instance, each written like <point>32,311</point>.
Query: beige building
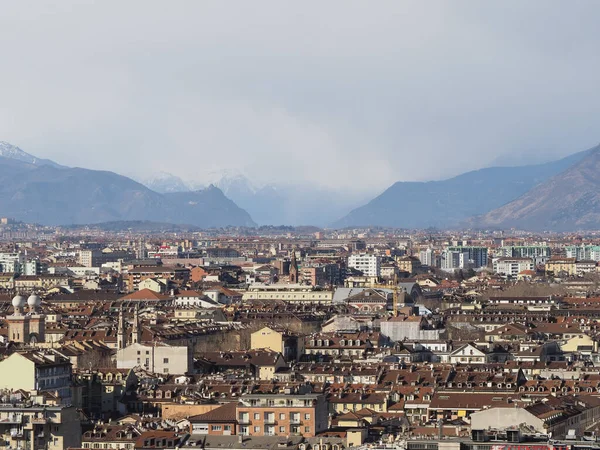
<point>46,426</point>
<point>158,358</point>
<point>557,266</point>
<point>290,345</point>
<point>42,371</point>
<point>293,293</point>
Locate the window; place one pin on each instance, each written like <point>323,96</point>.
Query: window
<point>166,360</point>
<point>281,416</point>
<point>257,429</point>
<point>217,428</point>
<point>307,416</point>
<point>256,416</point>
<point>307,429</point>
<point>166,370</point>
<point>282,429</point>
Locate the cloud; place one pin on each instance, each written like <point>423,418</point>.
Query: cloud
<point>345,94</point>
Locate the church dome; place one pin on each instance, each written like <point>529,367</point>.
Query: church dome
<point>34,301</point>
<point>18,301</point>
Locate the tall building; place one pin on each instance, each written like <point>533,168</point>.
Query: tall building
<point>453,260</point>
<point>293,268</point>
<point>369,265</point>
<point>583,252</point>
<point>478,256</point>
<point>427,257</point>
<point>525,251</point>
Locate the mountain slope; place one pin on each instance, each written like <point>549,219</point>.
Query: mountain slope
<point>449,202</point>
<point>566,202</point>
<point>10,151</point>
<point>57,196</point>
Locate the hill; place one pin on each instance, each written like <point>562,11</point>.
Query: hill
<point>566,202</point>
<point>56,195</point>
<point>450,202</point>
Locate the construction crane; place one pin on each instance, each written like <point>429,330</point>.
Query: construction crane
<point>395,293</point>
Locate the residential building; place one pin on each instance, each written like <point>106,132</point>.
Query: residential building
<point>368,264</point>
<point>282,415</point>
<point>34,423</point>
<point>512,266</point>
<point>41,371</point>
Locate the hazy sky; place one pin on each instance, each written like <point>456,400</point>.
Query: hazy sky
<point>338,93</point>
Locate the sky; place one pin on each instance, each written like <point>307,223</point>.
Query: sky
<point>341,94</point>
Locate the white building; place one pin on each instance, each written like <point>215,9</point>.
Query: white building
<point>369,265</point>
<point>512,266</point>
<point>427,257</point>
<point>158,358</point>
<point>454,260</point>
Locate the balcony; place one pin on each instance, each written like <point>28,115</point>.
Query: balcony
<point>295,422</point>
<point>270,421</point>
<point>39,420</point>
<point>245,421</point>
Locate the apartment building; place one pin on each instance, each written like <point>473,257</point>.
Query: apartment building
<point>30,423</point>
<point>282,415</point>
<point>512,266</point>
<point>369,265</point>
<point>41,371</point>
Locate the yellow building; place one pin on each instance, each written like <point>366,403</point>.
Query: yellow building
<point>408,264</point>
<point>579,343</point>
<point>562,265</point>
<point>290,345</point>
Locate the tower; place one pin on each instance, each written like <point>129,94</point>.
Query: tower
<point>121,337</point>
<point>37,320</point>
<point>136,333</point>
<point>18,325</point>
<point>293,268</point>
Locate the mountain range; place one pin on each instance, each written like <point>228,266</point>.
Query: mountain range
<point>270,204</point>
<point>559,195</point>
<point>452,202</point>
<point>40,191</point>
<point>567,201</point>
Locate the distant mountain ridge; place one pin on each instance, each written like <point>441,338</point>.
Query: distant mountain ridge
<point>451,202</point>
<point>38,191</point>
<point>10,151</point>
<point>567,201</point>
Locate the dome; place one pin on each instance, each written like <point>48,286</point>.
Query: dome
<point>18,301</point>
<point>34,300</point>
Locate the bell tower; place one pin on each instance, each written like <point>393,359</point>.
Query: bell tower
<point>293,268</point>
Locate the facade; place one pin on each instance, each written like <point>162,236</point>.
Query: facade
<point>291,346</point>
<point>27,328</point>
<point>41,426</point>
<point>477,256</point>
<point>427,257</point>
<point>558,266</point>
<point>525,251</point>
<point>288,293</point>
<point>158,358</point>
<point>512,266</point>
<point>282,415</point>
<point>583,252</point>
<point>42,371</point>
<point>453,260</point>
<point>369,265</point>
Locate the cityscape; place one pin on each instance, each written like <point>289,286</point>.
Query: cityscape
<point>269,225</point>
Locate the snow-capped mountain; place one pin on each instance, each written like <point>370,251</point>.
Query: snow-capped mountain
<point>164,182</point>
<point>13,152</point>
